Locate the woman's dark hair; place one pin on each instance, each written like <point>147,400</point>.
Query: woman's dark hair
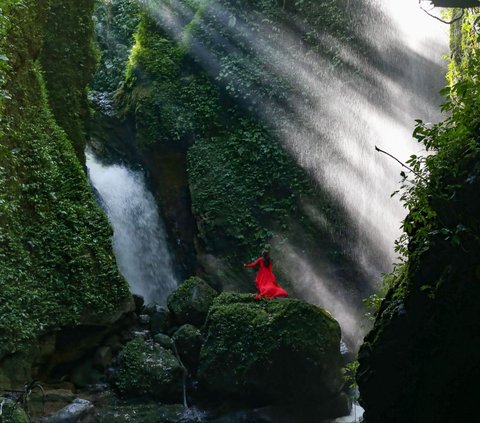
<point>266,258</point>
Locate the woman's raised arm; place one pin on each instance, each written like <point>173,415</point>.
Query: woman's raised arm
<point>253,264</point>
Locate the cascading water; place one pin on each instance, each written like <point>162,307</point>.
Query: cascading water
<point>139,239</point>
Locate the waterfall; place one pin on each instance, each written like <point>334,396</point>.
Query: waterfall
<point>139,239</point>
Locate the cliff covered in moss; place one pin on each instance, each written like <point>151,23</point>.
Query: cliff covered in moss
<point>210,109</point>
<point>68,59</point>
<point>57,268</point>
<point>419,364</point>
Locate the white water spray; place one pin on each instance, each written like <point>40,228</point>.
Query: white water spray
<point>345,123</point>
<point>139,239</point>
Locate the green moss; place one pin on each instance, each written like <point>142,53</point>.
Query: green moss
<point>275,347</point>
<point>190,302</point>
<point>279,319</point>
<point>188,341</point>
<point>115,23</point>
<point>12,412</point>
<point>243,184</point>
<point>56,260</point>
<point>169,101</point>
<point>226,298</point>
<point>148,370</point>
<point>68,61</point>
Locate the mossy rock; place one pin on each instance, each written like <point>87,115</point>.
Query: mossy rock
<point>12,413</point>
<point>149,370</point>
<point>164,341</point>
<point>190,302</point>
<point>279,350</point>
<point>188,341</point>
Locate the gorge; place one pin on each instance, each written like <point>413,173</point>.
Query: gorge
<point>210,130</point>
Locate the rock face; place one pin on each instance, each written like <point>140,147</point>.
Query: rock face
<point>270,351</point>
<point>419,364</point>
<point>149,370</point>
<point>160,319</point>
<point>191,301</point>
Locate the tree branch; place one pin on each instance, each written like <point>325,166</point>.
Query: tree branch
<point>439,19</point>
<point>403,164</point>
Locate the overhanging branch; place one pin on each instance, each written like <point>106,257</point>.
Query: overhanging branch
<point>440,19</point>
<point>403,164</point>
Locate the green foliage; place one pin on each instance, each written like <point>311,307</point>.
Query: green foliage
<point>4,60</point>
<point>115,24</point>
<point>252,42</point>
<point>12,412</point>
<point>433,193</point>
<point>148,370</point>
<point>242,183</point>
<point>394,282</point>
<point>56,263</point>
<point>455,145</point>
<point>349,371</point>
<point>68,61</point>
<point>170,103</point>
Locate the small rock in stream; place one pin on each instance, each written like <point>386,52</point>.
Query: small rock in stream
<point>79,411</point>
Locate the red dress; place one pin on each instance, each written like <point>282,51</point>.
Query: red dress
<point>266,283</point>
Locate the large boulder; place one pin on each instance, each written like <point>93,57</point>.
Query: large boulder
<point>274,351</point>
<point>190,302</point>
<point>147,369</point>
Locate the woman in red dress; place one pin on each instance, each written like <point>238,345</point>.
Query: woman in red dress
<point>266,283</point>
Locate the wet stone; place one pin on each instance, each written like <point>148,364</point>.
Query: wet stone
<point>144,319</point>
